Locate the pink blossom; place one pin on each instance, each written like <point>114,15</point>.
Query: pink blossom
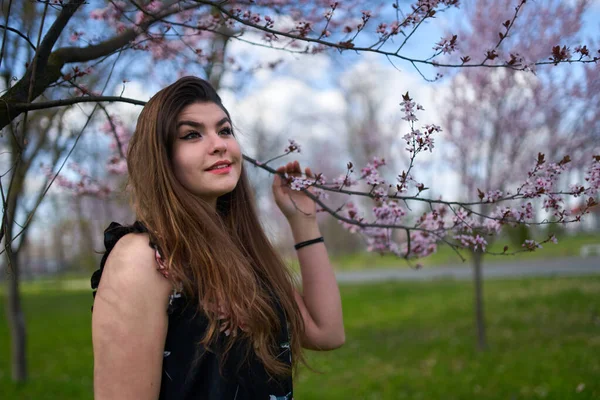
<point>531,245</point>
<point>446,45</point>
<point>75,36</point>
<point>139,17</point>
<point>374,179</point>
<point>471,242</point>
<point>293,146</point>
<point>299,183</point>
<point>118,167</point>
<point>344,180</point>
<point>389,211</point>
<point>492,196</point>
<point>382,28</point>
<point>154,6</point>
<point>394,28</point>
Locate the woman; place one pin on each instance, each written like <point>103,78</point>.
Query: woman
<point>192,300</point>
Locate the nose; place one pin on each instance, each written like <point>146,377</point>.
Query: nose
<point>219,144</point>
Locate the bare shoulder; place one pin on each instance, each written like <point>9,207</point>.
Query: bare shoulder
<point>130,270</point>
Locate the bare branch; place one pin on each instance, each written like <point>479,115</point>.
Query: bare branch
<point>51,63</point>
<point>30,214</point>
<point>4,33</point>
<point>41,105</point>
<point>342,46</point>
<point>8,28</point>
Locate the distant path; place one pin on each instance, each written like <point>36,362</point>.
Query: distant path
<point>572,266</point>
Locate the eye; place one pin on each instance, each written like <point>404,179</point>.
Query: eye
<point>226,131</point>
<point>190,135</point>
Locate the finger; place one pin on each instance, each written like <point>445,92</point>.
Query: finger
<point>288,168</point>
<point>293,168</point>
<point>308,172</point>
<point>297,168</point>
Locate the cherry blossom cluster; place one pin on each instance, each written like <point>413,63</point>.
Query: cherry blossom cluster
<point>421,141</point>
<point>592,177</point>
<point>351,212</point>
<point>461,226</point>
<point>77,73</point>
<point>84,186</point>
<point>115,126</point>
<point>308,20</point>
<point>531,245</point>
<point>514,215</point>
<point>560,54</point>
<point>371,173</point>
<point>446,45</point>
<point>408,108</point>
<point>385,30</point>
<point>389,212</point>
<point>543,177</point>
<point>474,242</point>
<point>491,196</point>
<point>111,14</point>
<point>457,223</point>
<point>293,146</point>
<point>426,9</point>
<point>298,183</point>
<point>120,134</point>
<point>344,180</point>
<point>423,242</point>
<point>76,35</point>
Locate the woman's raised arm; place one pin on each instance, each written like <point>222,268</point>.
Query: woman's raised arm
<point>320,303</point>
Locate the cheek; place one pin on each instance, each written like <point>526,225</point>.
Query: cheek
<point>235,148</point>
<point>183,163</point>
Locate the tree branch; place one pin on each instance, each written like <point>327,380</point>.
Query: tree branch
<point>8,28</point>
<point>41,105</point>
<point>30,214</point>
<point>342,46</point>
<point>50,64</point>
<point>4,33</point>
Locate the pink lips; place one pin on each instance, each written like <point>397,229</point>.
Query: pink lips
<point>220,171</point>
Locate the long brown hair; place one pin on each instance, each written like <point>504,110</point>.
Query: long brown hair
<point>221,256</point>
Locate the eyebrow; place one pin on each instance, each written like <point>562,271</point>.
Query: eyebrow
<point>200,125</point>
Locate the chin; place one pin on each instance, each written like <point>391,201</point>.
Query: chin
<point>215,193</point>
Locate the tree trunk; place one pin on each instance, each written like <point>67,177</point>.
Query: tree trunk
<point>14,310</point>
<point>479,306</point>
<point>16,319</point>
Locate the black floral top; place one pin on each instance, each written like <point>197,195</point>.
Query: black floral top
<point>189,370</point>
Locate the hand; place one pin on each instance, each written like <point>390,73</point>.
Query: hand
<point>294,204</point>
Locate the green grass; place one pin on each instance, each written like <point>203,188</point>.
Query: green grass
<point>404,341</point>
<point>566,247</point>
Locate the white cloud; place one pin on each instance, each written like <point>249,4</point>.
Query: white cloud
<point>292,103</point>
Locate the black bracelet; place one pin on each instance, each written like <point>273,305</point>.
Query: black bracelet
<point>302,244</point>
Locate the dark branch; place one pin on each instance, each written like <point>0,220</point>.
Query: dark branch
<point>49,63</point>
<point>41,105</point>
<point>20,34</point>
<point>342,46</point>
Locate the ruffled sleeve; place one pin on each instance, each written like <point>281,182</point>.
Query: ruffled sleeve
<point>112,234</point>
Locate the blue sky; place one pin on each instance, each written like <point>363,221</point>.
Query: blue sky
<point>313,80</point>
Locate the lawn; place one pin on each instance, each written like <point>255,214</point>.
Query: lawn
<point>567,246</point>
<point>404,341</point>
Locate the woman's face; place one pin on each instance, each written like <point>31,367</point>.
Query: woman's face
<point>204,136</point>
